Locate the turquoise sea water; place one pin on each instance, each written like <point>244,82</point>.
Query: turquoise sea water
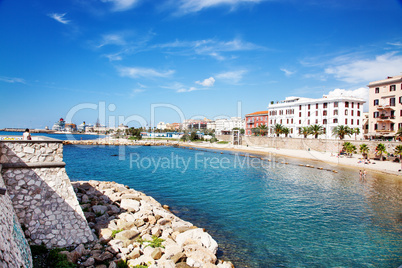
<point>261,214</point>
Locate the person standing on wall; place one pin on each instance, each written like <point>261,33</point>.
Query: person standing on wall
<point>26,135</point>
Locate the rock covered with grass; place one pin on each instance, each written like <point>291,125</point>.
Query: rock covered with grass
<point>134,230</point>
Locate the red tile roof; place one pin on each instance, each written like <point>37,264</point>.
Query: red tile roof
<point>258,113</point>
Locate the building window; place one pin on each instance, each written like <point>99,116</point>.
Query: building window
<point>376,114</point>
<point>353,104</point>
<point>346,112</point>
<point>324,113</point>
<point>291,131</point>
<point>358,113</point>
<point>375,126</point>
<point>316,105</point>
<point>291,121</point>
<point>299,107</point>
<point>377,90</point>
<point>358,106</point>
<point>351,113</point>
<point>346,104</point>
<point>308,114</point>
<point>399,126</point>
<point>358,122</point>
<point>316,121</point>
<point>346,121</point>
<point>335,120</point>
<point>316,113</point>
<point>324,122</point>
<point>287,121</point>
<point>335,112</point>
<point>325,105</point>
<point>299,122</point>
<point>392,101</point>
<point>308,107</point>
<point>400,99</point>
<point>392,88</point>
<point>281,121</point>
<point>400,113</point>
<point>299,114</point>
<point>375,102</point>
<point>336,104</point>
<point>308,122</point>
<point>351,121</point>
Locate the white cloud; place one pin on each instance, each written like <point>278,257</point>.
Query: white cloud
<point>287,72</point>
<point>234,76</point>
<point>209,82</point>
<point>136,91</point>
<point>180,88</point>
<point>136,72</point>
<point>59,17</point>
<point>366,70</point>
<point>209,47</point>
<point>12,79</point>
<point>112,39</point>
<point>361,93</point>
<point>121,5</point>
<point>191,6</point>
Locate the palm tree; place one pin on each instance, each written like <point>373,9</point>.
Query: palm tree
<point>399,133</point>
<point>305,131</point>
<point>341,131</point>
<point>277,129</point>
<point>398,151</point>
<point>380,149</point>
<point>356,131</point>
<point>364,149</point>
<point>316,130</point>
<point>349,148</point>
<point>286,131</point>
<point>263,129</point>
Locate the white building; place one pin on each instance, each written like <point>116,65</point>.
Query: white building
<point>225,126</point>
<point>328,112</point>
<point>161,126</point>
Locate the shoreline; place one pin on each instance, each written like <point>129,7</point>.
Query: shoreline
<point>382,167</point>
<point>134,228</point>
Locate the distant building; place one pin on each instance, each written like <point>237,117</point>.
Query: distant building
<point>254,120</point>
<point>191,124</point>
<point>161,126</point>
<point>385,107</point>
<point>70,127</point>
<point>59,125</point>
<point>225,126</point>
<point>328,112</point>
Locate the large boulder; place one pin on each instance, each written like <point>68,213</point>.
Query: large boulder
<point>199,256</point>
<point>199,237</point>
<point>130,205</point>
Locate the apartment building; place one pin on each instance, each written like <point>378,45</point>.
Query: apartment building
<point>385,107</point>
<point>225,126</point>
<point>328,111</point>
<point>254,120</point>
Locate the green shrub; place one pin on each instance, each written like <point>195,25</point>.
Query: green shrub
<point>55,259</point>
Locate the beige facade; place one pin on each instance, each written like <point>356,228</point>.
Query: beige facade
<point>385,107</point>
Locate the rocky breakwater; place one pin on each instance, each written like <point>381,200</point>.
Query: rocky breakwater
<point>118,142</point>
<point>135,229</point>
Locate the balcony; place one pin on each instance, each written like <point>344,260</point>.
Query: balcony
<point>385,107</point>
<point>385,118</point>
<point>384,131</point>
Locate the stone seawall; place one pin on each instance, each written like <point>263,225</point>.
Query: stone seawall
<point>41,193</point>
<point>320,145</point>
<point>14,248</point>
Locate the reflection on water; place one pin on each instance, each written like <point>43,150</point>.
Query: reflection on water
<point>267,215</point>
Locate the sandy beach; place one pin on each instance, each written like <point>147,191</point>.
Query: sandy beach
<point>328,158</point>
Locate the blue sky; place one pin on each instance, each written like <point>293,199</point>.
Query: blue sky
<point>202,58</point>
